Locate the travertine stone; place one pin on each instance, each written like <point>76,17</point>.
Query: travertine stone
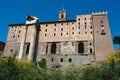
<point>22,43</point>
<point>32,43</point>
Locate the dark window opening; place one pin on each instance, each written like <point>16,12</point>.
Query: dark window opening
<point>67,33</point>
<point>72,28</point>
<point>72,33</point>
<point>14,36</point>
<point>67,23</point>
<point>90,50</point>
<point>70,60</point>
<point>52,59</point>
<point>73,44</point>
<point>18,36</point>
<point>45,30</point>
<point>80,47</point>
<point>46,25</point>
<point>45,34</point>
<point>62,16</point>
<point>90,27</point>
<point>61,34</point>
<point>54,34</point>
<point>85,19</point>
<point>53,48</point>
<point>61,29</point>
<point>28,46</point>
<point>55,24</point>
<point>19,31</point>
<point>54,29</point>
<point>11,50</point>
<point>102,25</point>
<point>61,60</point>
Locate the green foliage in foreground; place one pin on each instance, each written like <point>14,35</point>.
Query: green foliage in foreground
<point>12,69</point>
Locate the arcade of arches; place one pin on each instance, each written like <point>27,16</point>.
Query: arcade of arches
<point>56,47</point>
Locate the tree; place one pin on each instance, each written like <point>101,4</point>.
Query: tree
<point>116,40</point>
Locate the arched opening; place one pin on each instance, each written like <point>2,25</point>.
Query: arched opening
<point>53,48</point>
<point>62,16</point>
<point>80,47</point>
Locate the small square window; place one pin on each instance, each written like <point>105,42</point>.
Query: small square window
<point>54,29</point>
<point>45,30</point>
<point>85,32</point>
<point>19,31</point>
<point>61,29</point>
<point>101,21</point>
<point>72,23</point>
<point>85,19</point>
<point>11,50</point>
<point>78,19</point>
<point>46,25</point>
<point>45,34</point>
<point>67,33</point>
<point>62,24</point>
<point>54,34</point>
<point>79,27</point>
<point>72,28</point>
<point>55,24</point>
<point>90,27</point>
<point>61,60</point>
<point>72,33</point>
<point>73,44</point>
<point>91,32</point>
<point>18,36</point>
<point>70,60</point>
<point>13,36</point>
<point>102,25</point>
<point>79,33</point>
<point>67,24</point>
<point>61,34</point>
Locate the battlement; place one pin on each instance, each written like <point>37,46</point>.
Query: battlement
<point>99,13</point>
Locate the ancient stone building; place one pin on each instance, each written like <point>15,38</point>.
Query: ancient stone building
<point>62,43</point>
<point>2,45</point>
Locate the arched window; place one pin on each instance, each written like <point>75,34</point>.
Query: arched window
<point>62,16</point>
<point>53,48</point>
<point>80,47</point>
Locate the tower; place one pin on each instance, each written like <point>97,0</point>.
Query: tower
<point>62,15</point>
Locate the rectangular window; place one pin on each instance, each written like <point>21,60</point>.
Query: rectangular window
<point>61,29</point>
<point>61,34</point>
<point>54,29</point>
<point>67,33</point>
<point>72,33</point>
<point>45,34</point>
<point>54,34</point>
<point>79,33</point>
<point>45,30</point>
<point>55,24</point>
<point>85,26</point>
<point>72,28</point>
<point>78,27</point>
<point>72,43</point>
<point>86,33</point>
<point>46,25</point>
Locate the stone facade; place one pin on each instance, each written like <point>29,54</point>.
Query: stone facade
<point>62,43</point>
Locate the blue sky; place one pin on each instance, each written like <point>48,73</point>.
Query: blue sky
<point>15,11</point>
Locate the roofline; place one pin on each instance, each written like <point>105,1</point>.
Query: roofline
<point>50,22</point>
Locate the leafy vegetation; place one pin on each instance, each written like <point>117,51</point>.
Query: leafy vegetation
<point>13,69</point>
